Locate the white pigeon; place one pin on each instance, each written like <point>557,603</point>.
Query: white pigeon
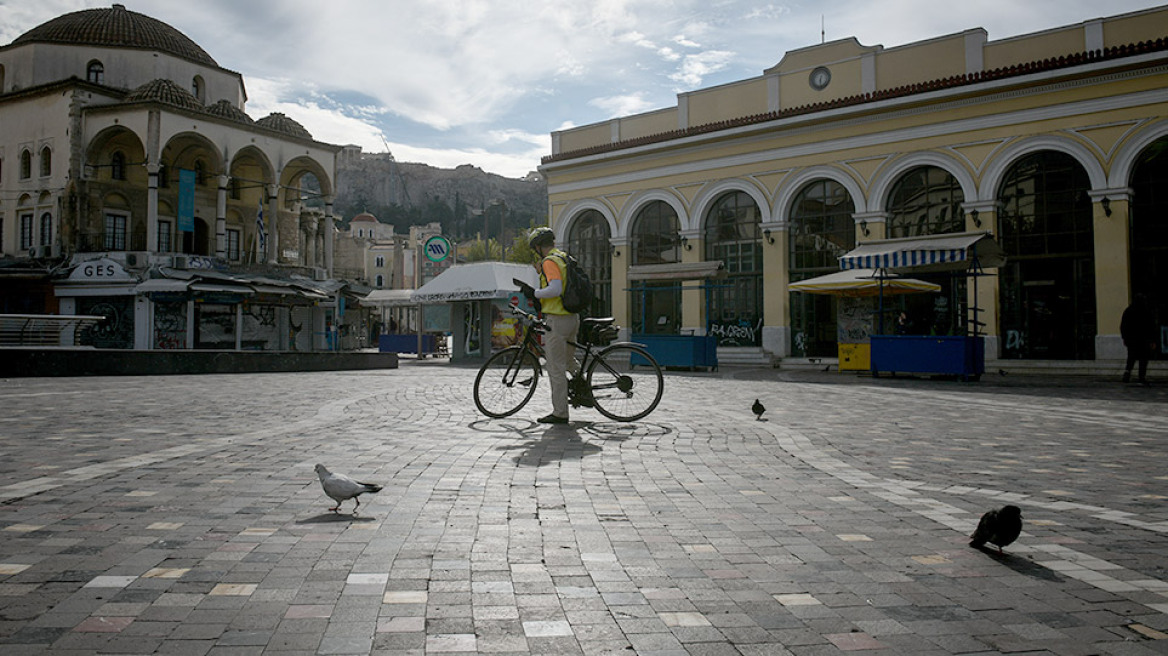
<point>340,488</point>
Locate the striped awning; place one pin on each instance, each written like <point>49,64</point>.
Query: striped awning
<point>947,252</point>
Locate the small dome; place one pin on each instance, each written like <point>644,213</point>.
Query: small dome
<point>166,92</point>
<point>364,216</point>
<point>280,123</point>
<point>116,27</point>
<point>224,109</point>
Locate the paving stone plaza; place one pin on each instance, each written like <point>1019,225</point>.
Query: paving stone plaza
<point>181,515</point>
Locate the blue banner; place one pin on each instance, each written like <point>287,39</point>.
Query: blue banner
<point>186,200</point>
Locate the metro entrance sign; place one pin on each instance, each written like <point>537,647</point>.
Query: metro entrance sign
<point>437,248</point>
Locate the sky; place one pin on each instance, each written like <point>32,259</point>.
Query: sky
<point>485,82</point>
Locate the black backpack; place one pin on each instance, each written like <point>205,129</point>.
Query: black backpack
<point>578,294</point>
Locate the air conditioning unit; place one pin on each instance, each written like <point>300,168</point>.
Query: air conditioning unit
<point>137,259</point>
<point>179,262</point>
<point>42,252</point>
<point>320,274</point>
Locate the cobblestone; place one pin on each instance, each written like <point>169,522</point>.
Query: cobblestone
<point>181,515</point>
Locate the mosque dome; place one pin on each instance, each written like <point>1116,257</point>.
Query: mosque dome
<point>116,27</point>
<point>166,92</point>
<point>281,123</point>
<point>224,109</point>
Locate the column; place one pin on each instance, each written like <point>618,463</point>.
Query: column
<point>329,236</point>
<point>982,216</point>
<point>870,225</point>
<point>273,221</point>
<point>152,207</point>
<point>776,300</point>
<point>1111,209</point>
<point>221,219</point>
<point>693,297</point>
<point>621,305</point>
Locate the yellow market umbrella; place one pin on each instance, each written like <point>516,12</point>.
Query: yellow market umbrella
<point>861,282</point>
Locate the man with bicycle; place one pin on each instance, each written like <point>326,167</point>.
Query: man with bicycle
<point>562,325</point>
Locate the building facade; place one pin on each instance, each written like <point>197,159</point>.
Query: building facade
<point>133,178</point>
<point>1055,142</point>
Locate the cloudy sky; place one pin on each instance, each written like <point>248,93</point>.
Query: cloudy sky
<point>485,82</point>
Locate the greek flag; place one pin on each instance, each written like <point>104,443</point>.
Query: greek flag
<point>263,234</point>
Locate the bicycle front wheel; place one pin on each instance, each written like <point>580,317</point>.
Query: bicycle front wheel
<point>506,382</point>
<point>621,392</point>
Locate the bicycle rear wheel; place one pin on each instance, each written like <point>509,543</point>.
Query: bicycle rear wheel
<point>620,392</point>
<point>506,382</point>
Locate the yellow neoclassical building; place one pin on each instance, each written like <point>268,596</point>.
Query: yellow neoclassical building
<point>1052,141</point>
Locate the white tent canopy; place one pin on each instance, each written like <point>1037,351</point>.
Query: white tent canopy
<point>476,281</point>
<point>945,252</point>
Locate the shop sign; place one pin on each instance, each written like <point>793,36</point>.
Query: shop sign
<point>102,270</point>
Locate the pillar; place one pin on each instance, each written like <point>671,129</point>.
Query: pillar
<point>1111,208</point>
<point>273,221</point>
<point>870,225</point>
<point>621,296</point>
<point>693,297</point>
<point>221,219</point>
<point>776,300</point>
<point>152,207</point>
<point>982,216</point>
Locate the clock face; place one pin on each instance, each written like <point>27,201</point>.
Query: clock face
<point>820,78</point>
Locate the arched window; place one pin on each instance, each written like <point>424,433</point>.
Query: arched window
<point>25,164</point>
<point>656,306</point>
<point>200,173</point>
<point>1048,283</point>
<point>95,72</point>
<point>925,201</point>
<point>588,242</point>
<point>379,281</point>
<point>118,165</point>
<point>198,88</point>
<point>46,229</point>
<point>821,229</point>
<point>46,162</point>
<point>379,261</point>
<point>163,175</point>
<point>733,236</point>
<point>1149,232</point>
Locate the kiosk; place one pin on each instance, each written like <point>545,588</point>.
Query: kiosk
<point>965,254</point>
<point>676,350</point>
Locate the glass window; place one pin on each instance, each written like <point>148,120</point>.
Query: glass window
<point>164,236</point>
<point>117,166</point>
<point>821,229</point>
<point>655,240</point>
<point>163,175</point>
<point>46,229</point>
<point>115,232</point>
<point>25,164</point>
<point>380,281</point>
<point>233,240</point>
<point>925,201</point>
<point>1149,235</point>
<point>733,236</point>
<point>200,173</point>
<point>1045,225</point>
<point>379,261</point>
<point>197,88</point>
<point>95,72</point>
<point>589,242</point>
<point>46,161</point>
<point>25,232</point>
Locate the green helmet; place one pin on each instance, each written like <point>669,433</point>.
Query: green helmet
<point>541,236</point>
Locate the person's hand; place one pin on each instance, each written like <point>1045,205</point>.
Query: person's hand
<point>527,289</point>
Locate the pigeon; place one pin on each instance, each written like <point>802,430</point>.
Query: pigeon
<point>758,408</point>
<point>999,527</point>
<point>340,488</point>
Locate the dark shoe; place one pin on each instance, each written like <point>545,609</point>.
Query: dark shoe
<point>552,419</point>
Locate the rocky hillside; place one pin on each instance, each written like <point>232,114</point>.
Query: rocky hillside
<point>466,200</point>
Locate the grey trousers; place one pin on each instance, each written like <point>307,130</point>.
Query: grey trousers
<point>560,356</point>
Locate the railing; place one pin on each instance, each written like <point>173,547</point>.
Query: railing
<point>94,242</point>
<point>45,329</point>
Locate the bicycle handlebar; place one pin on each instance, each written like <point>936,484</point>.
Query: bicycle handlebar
<point>529,317</point>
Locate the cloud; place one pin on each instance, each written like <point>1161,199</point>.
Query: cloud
<point>613,106</point>
<point>694,68</point>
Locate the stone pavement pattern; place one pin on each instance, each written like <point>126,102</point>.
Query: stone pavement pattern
<point>181,515</point>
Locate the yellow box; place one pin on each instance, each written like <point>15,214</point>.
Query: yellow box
<point>855,357</point>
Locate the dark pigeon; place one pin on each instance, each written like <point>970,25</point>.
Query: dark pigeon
<point>758,408</point>
<point>341,488</point>
<point>998,527</point>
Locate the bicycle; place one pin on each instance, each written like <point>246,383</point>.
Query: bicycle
<point>605,379</point>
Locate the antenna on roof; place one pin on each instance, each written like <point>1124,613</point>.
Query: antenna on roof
<point>822,30</point>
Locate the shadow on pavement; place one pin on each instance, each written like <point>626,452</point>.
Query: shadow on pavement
<point>1021,565</point>
<point>335,518</point>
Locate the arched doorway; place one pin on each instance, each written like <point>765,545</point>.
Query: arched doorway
<point>588,242</point>
<point>733,236</point>
<point>1149,234</point>
<point>655,241</point>
<point>1048,283</point>
<point>821,229</point>
<point>926,200</point>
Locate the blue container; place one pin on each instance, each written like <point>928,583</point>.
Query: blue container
<point>690,351</point>
<point>925,354</point>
